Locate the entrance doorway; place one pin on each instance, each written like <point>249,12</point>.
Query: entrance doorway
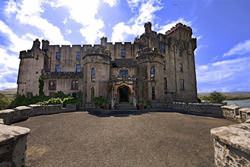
<point>123,93</point>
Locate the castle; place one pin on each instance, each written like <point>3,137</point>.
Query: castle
<point>156,67</point>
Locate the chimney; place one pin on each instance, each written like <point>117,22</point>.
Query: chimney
<point>104,41</point>
<point>147,27</point>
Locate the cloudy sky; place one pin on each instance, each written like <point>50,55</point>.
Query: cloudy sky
<point>222,28</point>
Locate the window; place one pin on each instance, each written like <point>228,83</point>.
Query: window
<point>123,53</point>
<point>153,93</point>
<point>152,72</point>
<point>78,55</point>
<point>93,74</point>
<point>74,85</point>
<point>182,84</point>
<point>123,73</point>
<point>162,47</point>
<point>58,68</point>
<point>78,67</point>
<point>92,93</point>
<point>165,85</point>
<point>52,84</point>
<point>58,56</point>
<point>180,67</point>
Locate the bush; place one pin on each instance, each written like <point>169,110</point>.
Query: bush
<point>70,100</point>
<point>4,101</point>
<point>215,97</point>
<point>52,101</point>
<point>100,101</point>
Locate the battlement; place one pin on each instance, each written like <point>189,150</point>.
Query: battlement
<point>25,54</point>
<point>177,27</point>
<point>97,50</point>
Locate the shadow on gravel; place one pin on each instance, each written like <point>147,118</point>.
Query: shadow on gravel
<point>126,113</point>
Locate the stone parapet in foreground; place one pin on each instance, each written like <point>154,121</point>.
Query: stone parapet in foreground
<point>232,145</point>
<point>12,145</point>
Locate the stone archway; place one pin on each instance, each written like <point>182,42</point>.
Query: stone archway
<point>123,93</point>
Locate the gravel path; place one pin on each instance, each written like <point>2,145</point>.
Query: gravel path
<point>148,140</point>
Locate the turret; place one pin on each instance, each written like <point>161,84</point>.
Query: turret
<point>36,44</point>
<point>45,45</point>
<point>147,27</point>
<point>104,41</point>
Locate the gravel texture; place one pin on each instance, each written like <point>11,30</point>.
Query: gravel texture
<point>158,139</point>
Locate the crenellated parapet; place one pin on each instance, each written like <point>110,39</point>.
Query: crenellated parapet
<point>98,50</point>
<point>26,54</point>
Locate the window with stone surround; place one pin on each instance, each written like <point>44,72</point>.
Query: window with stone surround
<point>78,55</point>
<point>153,93</point>
<point>162,47</point>
<point>52,84</point>
<point>182,86</point>
<point>180,67</point>
<point>74,85</point>
<point>58,56</point>
<point>165,85</point>
<point>152,72</point>
<point>123,73</point>
<point>93,74</point>
<point>78,67</point>
<point>58,68</point>
<point>123,53</point>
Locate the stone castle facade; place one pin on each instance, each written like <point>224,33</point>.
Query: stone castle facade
<point>156,67</point>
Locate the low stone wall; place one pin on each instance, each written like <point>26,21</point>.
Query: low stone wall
<point>236,113</point>
<point>232,145</point>
<point>12,145</point>
<point>20,113</point>
<point>198,108</point>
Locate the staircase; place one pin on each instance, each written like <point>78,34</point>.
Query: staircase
<point>125,106</point>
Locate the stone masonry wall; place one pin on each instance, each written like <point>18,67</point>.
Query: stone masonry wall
<point>232,145</point>
<point>12,145</point>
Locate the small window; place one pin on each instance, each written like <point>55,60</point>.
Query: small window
<point>58,56</point>
<point>74,85</point>
<point>152,72</point>
<point>153,93</point>
<point>165,85</point>
<point>58,68</point>
<point>123,53</point>
<point>182,86</point>
<point>123,73</point>
<point>92,93</point>
<point>180,67</point>
<point>93,74</point>
<point>78,55</point>
<point>78,67</point>
<point>162,47</point>
<point>52,85</point>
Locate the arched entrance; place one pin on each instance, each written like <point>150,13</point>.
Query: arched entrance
<point>123,92</point>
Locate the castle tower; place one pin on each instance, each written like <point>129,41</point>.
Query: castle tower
<point>96,64</point>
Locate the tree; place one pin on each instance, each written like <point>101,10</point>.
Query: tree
<point>216,97</point>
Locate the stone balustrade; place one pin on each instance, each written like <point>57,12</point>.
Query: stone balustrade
<point>12,145</point>
<point>232,145</point>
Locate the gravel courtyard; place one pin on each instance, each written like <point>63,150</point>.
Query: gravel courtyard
<point>149,140</point>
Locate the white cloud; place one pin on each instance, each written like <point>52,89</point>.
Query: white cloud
<point>168,26</point>
<point>222,71</point>
<point>135,25</point>
<point>111,3</point>
<point>28,12</point>
<point>85,14</point>
<point>239,49</point>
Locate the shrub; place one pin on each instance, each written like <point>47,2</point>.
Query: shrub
<point>53,101</point>
<point>4,101</point>
<point>70,100</point>
<point>100,101</point>
<point>215,97</point>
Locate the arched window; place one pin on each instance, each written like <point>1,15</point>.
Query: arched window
<point>180,67</point>
<point>93,74</point>
<point>152,72</point>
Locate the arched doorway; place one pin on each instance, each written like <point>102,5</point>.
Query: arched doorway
<point>123,92</point>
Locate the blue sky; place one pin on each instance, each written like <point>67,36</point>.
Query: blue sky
<point>222,28</point>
